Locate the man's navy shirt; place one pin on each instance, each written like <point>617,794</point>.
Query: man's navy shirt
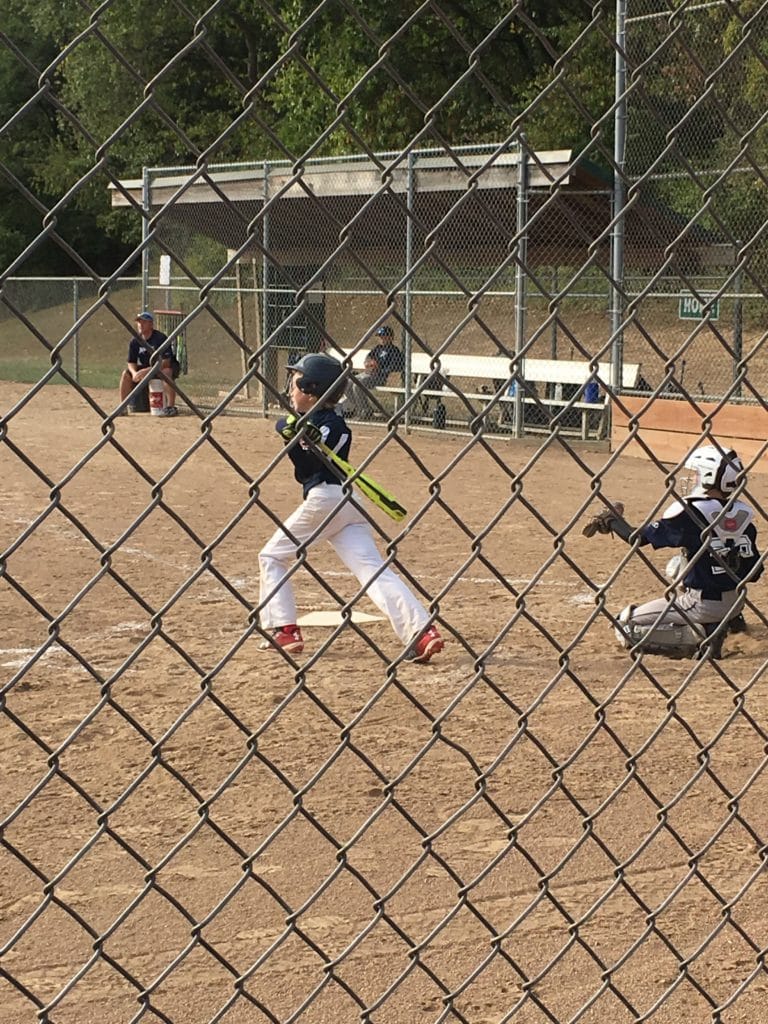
<point>141,350</point>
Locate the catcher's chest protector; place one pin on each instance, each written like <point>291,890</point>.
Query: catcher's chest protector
<point>729,542</point>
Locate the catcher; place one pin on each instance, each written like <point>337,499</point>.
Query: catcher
<point>717,536</point>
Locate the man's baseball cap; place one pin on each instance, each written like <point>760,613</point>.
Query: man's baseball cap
<point>145,316</point>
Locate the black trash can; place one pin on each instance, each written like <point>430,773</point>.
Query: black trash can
<point>140,401</point>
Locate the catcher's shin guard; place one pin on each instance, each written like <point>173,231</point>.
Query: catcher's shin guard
<point>669,639</point>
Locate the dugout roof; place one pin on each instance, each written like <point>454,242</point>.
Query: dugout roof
<point>464,207</point>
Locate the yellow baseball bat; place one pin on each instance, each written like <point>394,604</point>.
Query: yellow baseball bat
<point>386,502</point>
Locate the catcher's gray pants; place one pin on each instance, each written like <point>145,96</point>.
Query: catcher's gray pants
<point>688,606</point>
<point>351,536</point>
<point>672,629</point>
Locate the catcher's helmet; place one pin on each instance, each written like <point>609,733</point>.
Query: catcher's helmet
<point>318,373</point>
<point>715,468</point>
<point>384,331</point>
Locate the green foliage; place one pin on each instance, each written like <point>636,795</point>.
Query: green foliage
<point>566,98</point>
<point>141,83</point>
<point>700,113</point>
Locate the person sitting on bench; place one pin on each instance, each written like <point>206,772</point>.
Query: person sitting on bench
<point>384,359</point>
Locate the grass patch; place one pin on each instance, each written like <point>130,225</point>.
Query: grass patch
<point>30,371</point>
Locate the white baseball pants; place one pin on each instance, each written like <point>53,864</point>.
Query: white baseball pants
<point>352,539</point>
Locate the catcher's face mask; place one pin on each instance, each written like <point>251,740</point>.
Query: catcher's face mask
<point>691,485</point>
<point>709,467</point>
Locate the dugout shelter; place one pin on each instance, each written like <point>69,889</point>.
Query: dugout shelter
<point>474,245</point>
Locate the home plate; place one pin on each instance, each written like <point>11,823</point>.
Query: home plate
<point>334,618</point>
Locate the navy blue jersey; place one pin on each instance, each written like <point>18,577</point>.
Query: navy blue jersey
<point>141,350</point>
<point>387,358</point>
<point>731,551</point>
<point>308,468</point>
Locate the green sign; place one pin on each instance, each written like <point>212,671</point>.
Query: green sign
<point>692,308</point>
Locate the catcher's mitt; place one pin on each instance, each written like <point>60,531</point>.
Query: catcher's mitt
<point>601,523</point>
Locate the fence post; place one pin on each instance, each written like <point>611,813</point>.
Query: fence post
<point>520,275</point>
<point>617,233</point>
<point>257,323</point>
<point>76,337</point>
<point>269,356</point>
<point>241,326</point>
<point>555,289</point>
<point>738,321</point>
<point>408,310</point>
<point>145,209</point>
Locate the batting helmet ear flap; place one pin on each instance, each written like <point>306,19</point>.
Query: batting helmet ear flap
<point>307,386</point>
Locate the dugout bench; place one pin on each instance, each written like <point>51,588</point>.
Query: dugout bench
<point>551,392</point>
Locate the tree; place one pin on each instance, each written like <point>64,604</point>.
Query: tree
<point>142,83</point>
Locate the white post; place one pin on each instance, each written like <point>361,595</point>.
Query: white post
<point>241,325</point>
<point>257,323</point>
<point>146,201</point>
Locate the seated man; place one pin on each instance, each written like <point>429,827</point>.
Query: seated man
<point>383,359</point>
<point>143,345</point>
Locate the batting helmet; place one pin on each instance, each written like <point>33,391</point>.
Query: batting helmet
<point>318,373</point>
<point>714,468</point>
<point>384,331</point>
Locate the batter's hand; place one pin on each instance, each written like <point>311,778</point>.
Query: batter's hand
<point>289,429</point>
<point>602,522</point>
<point>313,433</point>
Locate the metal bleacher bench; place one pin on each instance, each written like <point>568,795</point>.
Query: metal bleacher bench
<point>551,386</point>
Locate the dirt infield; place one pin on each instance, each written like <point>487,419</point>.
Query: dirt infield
<point>532,828</point>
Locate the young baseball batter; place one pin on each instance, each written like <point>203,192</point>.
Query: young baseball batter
<point>718,538</point>
<point>311,390</point>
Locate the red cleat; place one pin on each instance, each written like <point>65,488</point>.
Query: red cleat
<point>426,646</point>
<point>287,638</point>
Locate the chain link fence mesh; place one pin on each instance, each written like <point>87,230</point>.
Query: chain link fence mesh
<point>536,827</point>
<point>310,292</point>
<point>696,144</point>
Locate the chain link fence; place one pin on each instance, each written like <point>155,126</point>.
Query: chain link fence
<point>296,289</point>
<point>695,144</point>
<point>533,827</point>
